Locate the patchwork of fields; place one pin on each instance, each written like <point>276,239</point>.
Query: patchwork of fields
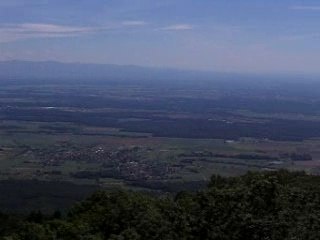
<point>151,137</point>
<point>60,142</point>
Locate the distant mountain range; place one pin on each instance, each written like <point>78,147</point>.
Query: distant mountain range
<point>17,70</point>
<point>57,71</point>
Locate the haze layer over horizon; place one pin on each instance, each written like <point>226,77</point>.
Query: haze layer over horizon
<point>229,36</point>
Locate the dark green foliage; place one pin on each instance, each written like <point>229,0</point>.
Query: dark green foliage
<point>271,205</point>
<point>28,195</point>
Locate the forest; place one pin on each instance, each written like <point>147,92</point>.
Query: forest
<point>265,205</point>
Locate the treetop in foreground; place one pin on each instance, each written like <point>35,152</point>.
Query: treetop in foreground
<point>267,205</point>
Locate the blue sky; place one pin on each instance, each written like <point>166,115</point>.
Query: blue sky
<point>263,36</point>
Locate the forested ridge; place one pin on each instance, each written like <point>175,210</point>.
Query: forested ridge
<point>267,205</point>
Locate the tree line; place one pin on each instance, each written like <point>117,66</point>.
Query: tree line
<point>267,205</point>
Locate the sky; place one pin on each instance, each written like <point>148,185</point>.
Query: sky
<point>259,36</point>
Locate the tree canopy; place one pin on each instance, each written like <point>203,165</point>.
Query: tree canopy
<point>267,205</point>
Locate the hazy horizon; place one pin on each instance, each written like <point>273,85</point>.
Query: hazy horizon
<point>238,37</point>
<point>53,69</point>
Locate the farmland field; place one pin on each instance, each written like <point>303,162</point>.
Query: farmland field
<point>150,137</point>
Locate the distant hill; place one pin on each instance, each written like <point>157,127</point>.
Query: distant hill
<point>61,71</point>
<point>16,71</point>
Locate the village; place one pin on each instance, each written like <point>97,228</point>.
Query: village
<point>124,163</point>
